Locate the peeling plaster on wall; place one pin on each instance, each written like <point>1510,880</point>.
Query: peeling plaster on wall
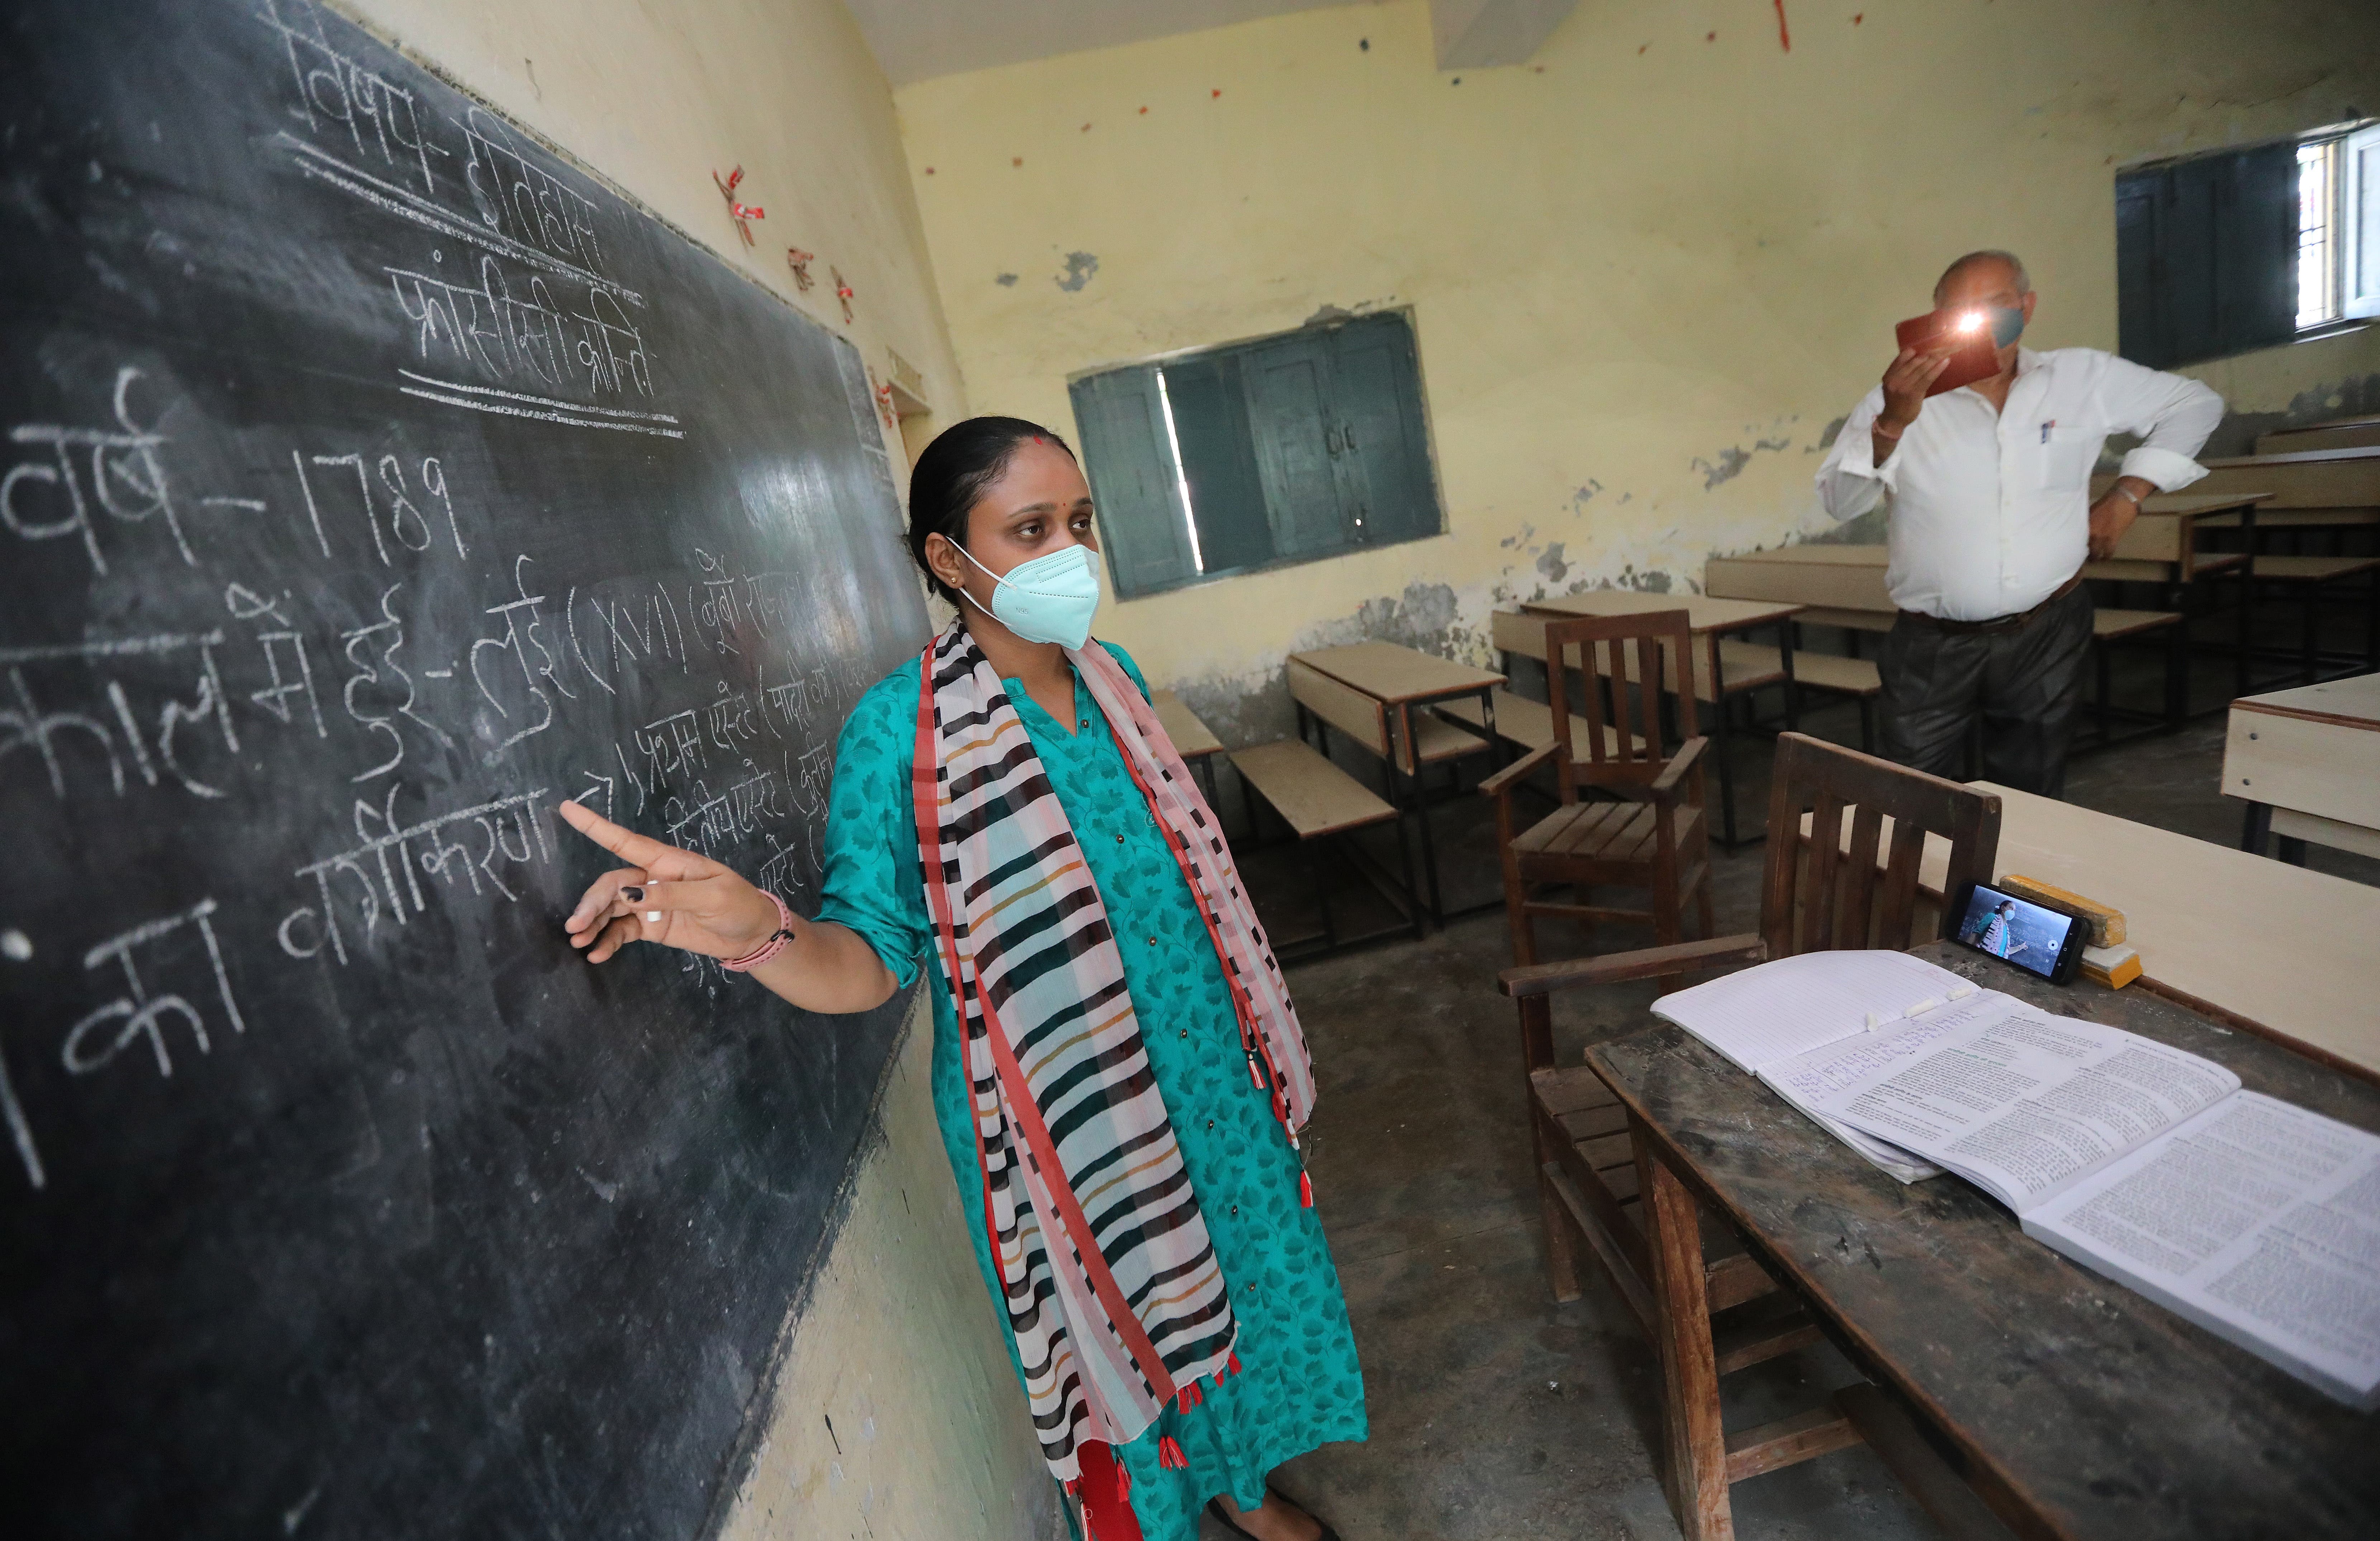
<point>1081,266</point>
<point>1729,465</point>
<point>1827,439</point>
<point>1732,461</point>
<point>1510,540</point>
<point>1585,495</point>
<point>1329,313</point>
<point>1552,565</point>
<point>1006,280</point>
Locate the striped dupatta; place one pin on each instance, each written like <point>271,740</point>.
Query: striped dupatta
<point>1110,1282</point>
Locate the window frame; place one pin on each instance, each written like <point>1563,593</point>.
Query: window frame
<point>2356,215</point>
<point>1084,385</point>
<point>2180,299</point>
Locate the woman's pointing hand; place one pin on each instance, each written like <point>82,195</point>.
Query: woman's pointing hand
<point>665,895</point>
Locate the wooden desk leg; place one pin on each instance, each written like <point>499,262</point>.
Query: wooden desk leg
<point>2255,827</point>
<point>1420,810</point>
<point>1719,737</point>
<point>1697,1473</point>
<point>1785,630</point>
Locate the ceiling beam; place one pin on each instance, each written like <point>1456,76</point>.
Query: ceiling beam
<point>1478,34</point>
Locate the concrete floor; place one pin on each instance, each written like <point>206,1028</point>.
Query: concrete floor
<point>1495,1412</point>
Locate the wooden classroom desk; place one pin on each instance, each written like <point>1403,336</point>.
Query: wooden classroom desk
<point>2307,763</point>
<point>1720,666</point>
<point>2308,487</point>
<point>2080,1409</point>
<point>1401,679</point>
<point>2160,547</point>
<point>2291,954</point>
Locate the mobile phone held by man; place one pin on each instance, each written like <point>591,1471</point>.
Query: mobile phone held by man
<point>1965,333</point>
<point>2039,941</point>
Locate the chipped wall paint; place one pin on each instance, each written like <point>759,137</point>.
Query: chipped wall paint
<point>2330,377</point>
<point>1647,278</point>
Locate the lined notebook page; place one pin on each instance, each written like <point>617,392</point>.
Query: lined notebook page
<point>1777,1010</point>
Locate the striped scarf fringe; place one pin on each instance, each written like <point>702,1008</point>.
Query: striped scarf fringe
<point>1129,1310</point>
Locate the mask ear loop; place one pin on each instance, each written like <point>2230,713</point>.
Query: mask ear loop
<point>981,567</point>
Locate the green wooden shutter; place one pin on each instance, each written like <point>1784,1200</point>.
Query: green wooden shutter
<point>1383,446</point>
<point>1130,470</point>
<point>2216,240</point>
<point>2141,333</point>
<point>1288,387</point>
<point>1218,460</point>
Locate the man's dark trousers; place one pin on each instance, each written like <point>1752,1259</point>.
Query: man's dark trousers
<point>2024,682</point>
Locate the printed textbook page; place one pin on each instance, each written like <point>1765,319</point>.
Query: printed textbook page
<point>2021,1103</point>
<point>2258,1220</point>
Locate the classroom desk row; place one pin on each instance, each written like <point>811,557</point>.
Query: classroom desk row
<point>2073,1407</point>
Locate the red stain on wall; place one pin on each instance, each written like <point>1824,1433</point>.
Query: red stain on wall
<point>1784,35</point>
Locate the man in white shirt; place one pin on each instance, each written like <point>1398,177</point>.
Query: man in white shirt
<point>1992,519</point>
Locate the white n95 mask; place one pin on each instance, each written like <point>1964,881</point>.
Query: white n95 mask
<point>1049,599</point>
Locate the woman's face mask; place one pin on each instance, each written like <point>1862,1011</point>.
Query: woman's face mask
<point>1049,599</point>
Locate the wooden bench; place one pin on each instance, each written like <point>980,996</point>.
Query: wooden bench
<point>1318,801</point>
<point>1833,674</point>
<point>2110,626</point>
<point>2311,581</point>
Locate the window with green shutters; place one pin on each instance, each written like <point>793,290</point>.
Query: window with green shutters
<point>1286,449</point>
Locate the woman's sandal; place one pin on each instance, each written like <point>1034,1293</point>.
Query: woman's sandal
<point>1215,1506</point>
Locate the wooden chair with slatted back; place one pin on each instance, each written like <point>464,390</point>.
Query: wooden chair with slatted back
<point>1648,831</point>
<point>1679,1270</point>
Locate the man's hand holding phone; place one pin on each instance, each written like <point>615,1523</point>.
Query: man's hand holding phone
<point>1906,382</point>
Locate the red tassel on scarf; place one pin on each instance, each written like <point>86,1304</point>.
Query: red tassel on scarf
<point>1305,1190</point>
<point>1188,1398</point>
<point>1105,1488</point>
<point>1168,1458</point>
<point>1232,1367</point>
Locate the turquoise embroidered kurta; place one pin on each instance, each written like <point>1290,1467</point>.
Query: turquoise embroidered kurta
<point>1299,1384</point>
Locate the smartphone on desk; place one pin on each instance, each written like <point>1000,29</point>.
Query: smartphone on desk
<point>2038,941</point>
<point>1965,335</point>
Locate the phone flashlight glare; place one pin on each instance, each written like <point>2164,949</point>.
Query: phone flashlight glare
<point>1972,321</point>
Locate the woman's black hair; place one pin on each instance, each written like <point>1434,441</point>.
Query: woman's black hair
<point>964,459</point>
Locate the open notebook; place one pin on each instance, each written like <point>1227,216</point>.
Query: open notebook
<point>1766,1015</point>
<point>2256,1219</point>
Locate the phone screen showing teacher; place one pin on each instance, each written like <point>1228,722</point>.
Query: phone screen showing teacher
<point>2007,926</point>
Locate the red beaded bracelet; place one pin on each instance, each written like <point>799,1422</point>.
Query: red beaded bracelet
<point>770,948</point>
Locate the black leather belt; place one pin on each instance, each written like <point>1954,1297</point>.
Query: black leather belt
<point>1998,623</point>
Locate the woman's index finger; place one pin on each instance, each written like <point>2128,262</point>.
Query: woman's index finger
<point>626,843</point>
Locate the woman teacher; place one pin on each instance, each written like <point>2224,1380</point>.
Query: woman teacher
<point>1118,1074</point>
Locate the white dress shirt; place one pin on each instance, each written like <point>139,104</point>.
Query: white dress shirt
<point>1991,512</point>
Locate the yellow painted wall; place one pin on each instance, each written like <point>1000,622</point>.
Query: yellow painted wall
<point>1648,270</point>
<point>897,1342</point>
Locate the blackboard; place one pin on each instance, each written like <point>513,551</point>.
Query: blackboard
<point>375,478</point>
